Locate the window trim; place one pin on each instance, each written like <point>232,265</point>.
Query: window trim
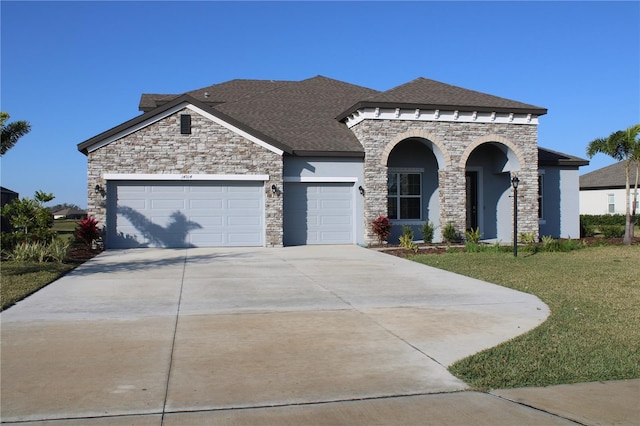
<point>611,203</point>
<point>541,215</point>
<point>405,171</point>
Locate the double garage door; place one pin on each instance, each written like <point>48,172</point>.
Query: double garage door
<point>185,214</point>
<point>212,214</point>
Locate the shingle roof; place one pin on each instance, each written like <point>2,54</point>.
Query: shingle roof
<point>609,177</point>
<point>304,117</point>
<point>425,93</point>
<point>548,157</point>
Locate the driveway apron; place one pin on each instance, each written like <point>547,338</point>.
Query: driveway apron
<point>155,333</point>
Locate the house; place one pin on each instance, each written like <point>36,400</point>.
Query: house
<point>7,196</point>
<point>69,213</point>
<point>603,191</point>
<point>273,163</point>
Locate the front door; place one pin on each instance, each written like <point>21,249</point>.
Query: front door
<point>472,200</point>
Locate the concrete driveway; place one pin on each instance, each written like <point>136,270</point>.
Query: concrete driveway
<point>157,336</point>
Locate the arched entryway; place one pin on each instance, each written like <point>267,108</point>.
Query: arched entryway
<point>413,186</point>
<point>489,167</point>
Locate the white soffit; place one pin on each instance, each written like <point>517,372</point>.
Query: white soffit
<point>417,114</point>
<point>195,109</point>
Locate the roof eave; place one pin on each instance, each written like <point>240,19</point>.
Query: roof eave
<point>304,153</point>
<point>446,107</point>
<point>84,146</point>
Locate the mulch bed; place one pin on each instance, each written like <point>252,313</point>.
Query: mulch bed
<point>79,253</point>
<point>397,250</point>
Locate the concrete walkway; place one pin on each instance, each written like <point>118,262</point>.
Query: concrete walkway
<point>302,335</point>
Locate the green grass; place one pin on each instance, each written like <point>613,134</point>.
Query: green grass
<point>592,333</point>
<point>65,228</point>
<point>20,279</point>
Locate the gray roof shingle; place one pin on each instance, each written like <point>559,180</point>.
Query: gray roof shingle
<point>425,93</point>
<point>548,157</point>
<point>304,117</point>
<point>609,177</point>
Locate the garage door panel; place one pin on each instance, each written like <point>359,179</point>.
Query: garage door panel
<point>318,213</point>
<point>335,204</point>
<point>167,204</point>
<point>243,238</point>
<point>243,204</point>
<point>186,214</point>
<point>336,220</point>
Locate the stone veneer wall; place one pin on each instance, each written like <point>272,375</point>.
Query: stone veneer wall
<point>457,141</point>
<point>210,149</point>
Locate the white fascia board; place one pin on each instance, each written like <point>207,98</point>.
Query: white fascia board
<point>235,130</point>
<point>175,109</point>
<point>184,177</point>
<point>137,127</point>
<point>440,115</point>
<point>318,179</point>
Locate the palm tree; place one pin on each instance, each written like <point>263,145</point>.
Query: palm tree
<point>622,145</point>
<point>11,132</point>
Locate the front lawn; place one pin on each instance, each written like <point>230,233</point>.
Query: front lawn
<point>592,332</point>
<point>20,279</point>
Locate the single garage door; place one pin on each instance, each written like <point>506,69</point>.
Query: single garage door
<point>185,214</point>
<point>318,213</point>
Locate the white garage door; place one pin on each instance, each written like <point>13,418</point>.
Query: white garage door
<point>318,213</point>
<point>179,214</point>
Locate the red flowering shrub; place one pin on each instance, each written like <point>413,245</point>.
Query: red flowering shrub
<point>382,228</point>
<point>87,231</point>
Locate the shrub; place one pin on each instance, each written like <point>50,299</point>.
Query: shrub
<point>382,228</point>
<point>87,231</point>
<point>39,251</point>
<point>57,250</point>
<point>586,230</point>
<point>471,247</point>
<point>605,219</point>
<point>406,239</point>
<point>449,234</point>
<point>550,244</point>
<point>428,230</point>
<point>528,238</point>
<point>612,231</point>
<point>29,219</point>
<point>473,236</point>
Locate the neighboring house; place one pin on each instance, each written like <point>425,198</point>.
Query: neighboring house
<point>272,163</point>
<point>603,191</point>
<point>7,196</point>
<point>70,214</point>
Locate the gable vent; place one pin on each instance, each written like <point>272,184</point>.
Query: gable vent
<point>185,124</point>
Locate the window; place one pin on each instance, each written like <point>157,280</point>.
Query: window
<point>540,201</point>
<point>611,203</point>
<point>405,195</point>
<point>185,124</point>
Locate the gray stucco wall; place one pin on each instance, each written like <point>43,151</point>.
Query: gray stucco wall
<point>331,168</point>
<point>210,149</point>
<point>561,202</point>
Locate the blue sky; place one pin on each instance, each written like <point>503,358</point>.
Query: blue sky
<point>76,69</point>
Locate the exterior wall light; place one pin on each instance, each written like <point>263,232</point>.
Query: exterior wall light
<point>274,189</point>
<point>361,189</point>
<point>99,190</point>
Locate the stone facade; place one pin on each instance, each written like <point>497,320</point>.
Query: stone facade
<point>455,142</point>
<point>210,149</point>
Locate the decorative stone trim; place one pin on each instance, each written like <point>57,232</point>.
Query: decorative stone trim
<point>443,158</point>
<point>456,141</point>
<point>210,150</point>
